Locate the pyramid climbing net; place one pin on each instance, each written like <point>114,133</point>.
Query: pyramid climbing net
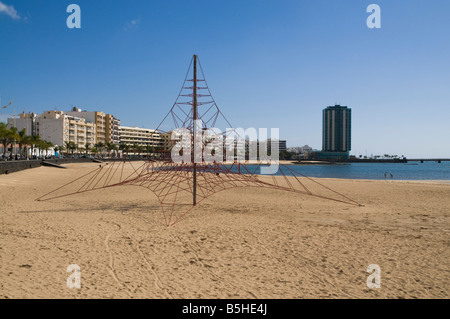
<point>180,187</point>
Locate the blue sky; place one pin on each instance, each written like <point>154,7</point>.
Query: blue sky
<point>268,64</point>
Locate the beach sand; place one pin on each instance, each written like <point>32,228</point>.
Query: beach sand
<point>240,243</point>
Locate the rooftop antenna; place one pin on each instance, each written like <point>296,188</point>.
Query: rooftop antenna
<point>14,115</point>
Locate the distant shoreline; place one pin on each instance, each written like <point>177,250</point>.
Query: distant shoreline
<point>347,162</point>
<point>315,170</point>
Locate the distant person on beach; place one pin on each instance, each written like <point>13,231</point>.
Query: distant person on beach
<point>385,174</point>
<point>392,176</point>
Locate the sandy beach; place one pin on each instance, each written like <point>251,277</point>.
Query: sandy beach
<point>240,243</point>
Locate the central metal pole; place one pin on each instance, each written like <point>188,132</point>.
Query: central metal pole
<point>194,105</point>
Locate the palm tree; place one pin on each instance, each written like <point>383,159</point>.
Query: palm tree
<point>22,140</point>
<point>140,149</point>
<point>61,149</point>
<point>39,145</point>
<point>136,148</point>
<point>109,147</point>
<point>94,150</point>
<point>125,148</point>
<point>115,148</point>
<point>72,147</point>
<point>14,134</point>
<point>8,136</point>
<point>27,142</point>
<point>34,140</point>
<point>67,146</point>
<point>122,147</point>
<point>87,147</point>
<point>5,136</point>
<point>99,146</point>
<point>46,146</point>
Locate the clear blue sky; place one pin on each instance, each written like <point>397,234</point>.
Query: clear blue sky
<point>268,64</point>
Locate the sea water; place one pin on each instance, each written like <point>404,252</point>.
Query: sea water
<point>399,171</point>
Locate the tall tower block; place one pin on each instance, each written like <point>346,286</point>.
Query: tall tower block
<point>337,129</point>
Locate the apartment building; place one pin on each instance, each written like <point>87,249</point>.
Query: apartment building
<point>112,129</point>
<point>278,144</point>
<point>106,125</point>
<point>27,121</point>
<point>337,129</point>
<point>145,137</point>
<point>56,127</point>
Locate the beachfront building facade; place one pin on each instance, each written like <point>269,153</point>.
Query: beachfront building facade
<point>337,132</point>
<point>145,137</point>
<point>301,152</point>
<point>81,133</point>
<point>112,130</point>
<point>56,127</point>
<point>255,145</point>
<point>337,129</point>
<point>276,142</point>
<point>106,125</point>
<point>27,121</point>
<point>281,144</point>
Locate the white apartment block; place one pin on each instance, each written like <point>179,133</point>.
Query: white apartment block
<point>144,137</point>
<point>106,125</point>
<point>300,149</point>
<point>56,127</point>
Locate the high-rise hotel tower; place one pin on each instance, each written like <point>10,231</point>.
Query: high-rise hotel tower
<point>337,129</point>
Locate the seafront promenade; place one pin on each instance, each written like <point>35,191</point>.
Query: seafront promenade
<point>7,167</point>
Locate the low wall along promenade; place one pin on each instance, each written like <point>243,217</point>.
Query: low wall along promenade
<point>7,167</point>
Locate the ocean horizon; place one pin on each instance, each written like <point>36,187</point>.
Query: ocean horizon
<point>371,171</point>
